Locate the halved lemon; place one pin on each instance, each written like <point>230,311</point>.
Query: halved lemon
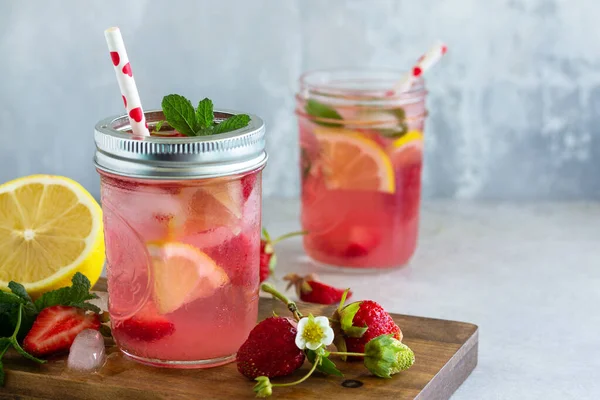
<point>182,274</point>
<point>353,161</point>
<point>407,149</point>
<point>50,228</point>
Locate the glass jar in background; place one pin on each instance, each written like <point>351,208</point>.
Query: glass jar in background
<point>361,156</point>
<point>182,220</point>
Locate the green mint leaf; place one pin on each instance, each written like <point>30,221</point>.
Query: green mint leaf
<point>232,123</point>
<point>19,290</point>
<point>105,331</point>
<point>7,342</point>
<point>158,125</point>
<point>180,114</point>
<point>25,354</point>
<point>205,131</point>
<point>326,366</point>
<point>75,295</point>
<point>204,114</point>
<point>402,127</point>
<point>12,314</point>
<point>319,110</point>
<point>87,307</point>
<point>10,298</point>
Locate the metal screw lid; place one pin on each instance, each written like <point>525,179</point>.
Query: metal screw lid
<point>120,153</point>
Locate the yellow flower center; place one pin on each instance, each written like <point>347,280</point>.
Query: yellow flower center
<point>313,333</point>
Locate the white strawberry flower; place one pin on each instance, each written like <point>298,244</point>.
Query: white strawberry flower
<point>314,333</point>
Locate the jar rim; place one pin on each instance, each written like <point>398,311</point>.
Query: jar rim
<point>121,153</point>
<point>369,86</point>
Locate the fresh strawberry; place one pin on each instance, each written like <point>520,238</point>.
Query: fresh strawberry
<point>235,255</point>
<point>146,325</point>
<point>270,349</point>
<point>268,259</point>
<point>309,289</point>
<point>248,182</point>
<point>361,321</point>
<point>55,329</point>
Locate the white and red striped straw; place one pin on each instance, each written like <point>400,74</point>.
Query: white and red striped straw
<point>424,62</point>
<point>129,91</point>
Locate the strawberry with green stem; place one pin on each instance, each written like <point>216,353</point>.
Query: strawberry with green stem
<point>383,356</point>
<point>311,290</point>
<point>268,258</point>
<point>358,323</point>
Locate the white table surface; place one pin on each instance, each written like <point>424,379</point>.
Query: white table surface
<point>527,275</point>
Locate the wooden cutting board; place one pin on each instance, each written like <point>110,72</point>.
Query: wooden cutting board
<point>445,352</point>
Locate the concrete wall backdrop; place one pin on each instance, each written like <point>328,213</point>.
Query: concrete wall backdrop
<point>513,107</point>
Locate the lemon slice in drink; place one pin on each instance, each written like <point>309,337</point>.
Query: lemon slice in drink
<point>182,274</point>
<point>50,228</point>
<point>353,161</point>
<point>407,149</point>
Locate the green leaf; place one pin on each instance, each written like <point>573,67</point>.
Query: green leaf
<point>265,234</point>
<point>204,114</point>
<point>105,331</point>
<point>7,342</point>
<point>399,113</point>
<point>180,114</point>
<point>272,262</point>
<point>326,366</point>
<point>322,111</point>
<point>76,295</point>
<point>11,314</point>
<point>158,125</point>
<point>19,290</point>
<point>25,354</point>
<point>346,316</point>
<point>232,123</point>
<point>402,127</point>
<point>386,356</point>
<point>10,298</point>
<point>87,307</point>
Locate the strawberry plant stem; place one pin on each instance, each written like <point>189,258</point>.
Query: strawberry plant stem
<point>305,377</point>
<point>343,353</point>
<point>289,235</point>
<point>267,287</point>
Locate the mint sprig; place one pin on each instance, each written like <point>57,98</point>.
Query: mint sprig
<point>11,341</point>
<point>18,311</point>
<point>182,116</point>
<point>322,111</point>
<point>75,295</point>
<point>204,113</point>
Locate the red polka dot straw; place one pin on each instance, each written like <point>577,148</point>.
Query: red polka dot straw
<point>129,92</point>
<point>424,62</point>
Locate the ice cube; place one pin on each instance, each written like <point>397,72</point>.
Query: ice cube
<point>87,353</point>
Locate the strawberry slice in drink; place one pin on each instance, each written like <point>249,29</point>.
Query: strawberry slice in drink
<point>55,329</point>
<point>146,325</point>
<point>239,257</point>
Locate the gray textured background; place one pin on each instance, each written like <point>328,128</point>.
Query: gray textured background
<point>513,106</point>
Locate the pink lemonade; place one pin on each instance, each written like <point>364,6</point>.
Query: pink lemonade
<point>182,254</point>
<point>361,160</point>
<point>182,262</point>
